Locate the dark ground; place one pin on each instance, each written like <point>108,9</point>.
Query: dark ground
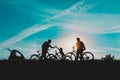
<point>62,70</point>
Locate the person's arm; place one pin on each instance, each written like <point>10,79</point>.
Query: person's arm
<point>51,46</point>
<point>57,47</point>
<point>84,48</point>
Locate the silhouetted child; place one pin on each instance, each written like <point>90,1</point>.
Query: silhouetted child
<point>61,51</point>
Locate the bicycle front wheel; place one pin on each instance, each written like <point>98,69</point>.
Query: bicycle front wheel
<point>51,57</point>
<point>88,56</point>
<point>72,55</point>
<point>34,57</point>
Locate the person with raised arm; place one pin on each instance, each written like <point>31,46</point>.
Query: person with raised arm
<point>45,48</point>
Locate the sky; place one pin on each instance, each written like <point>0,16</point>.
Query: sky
<point>26,24</point>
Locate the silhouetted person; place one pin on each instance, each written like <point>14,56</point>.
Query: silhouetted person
<point>61,51</point>
<point>80,48</point>
<point>13,55</point>
<point>45,48</point>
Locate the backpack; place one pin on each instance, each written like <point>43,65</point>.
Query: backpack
<point>44,45</point>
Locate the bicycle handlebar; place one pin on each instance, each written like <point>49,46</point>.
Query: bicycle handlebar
<point>56,47</point>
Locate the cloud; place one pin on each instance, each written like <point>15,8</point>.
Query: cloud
<point>79,7</point>
<point>100,30</point>
<point>103,51</point>
<point>36,28</point>
<point>114,29</point>
<point>104,30</point>
<point>92,23</point>
<point>25,33</point>
<point>71,9</point>
<point>111,49</point>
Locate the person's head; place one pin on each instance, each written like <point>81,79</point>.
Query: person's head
<point>61,49</point>
<point>49,41</point>
<point>78,39</point>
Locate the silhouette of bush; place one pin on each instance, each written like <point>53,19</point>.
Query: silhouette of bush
<point>108,57</point>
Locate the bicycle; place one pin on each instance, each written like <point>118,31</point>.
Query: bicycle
<point>59,56</point>
<point>86,55</point>
<point>38,56</point>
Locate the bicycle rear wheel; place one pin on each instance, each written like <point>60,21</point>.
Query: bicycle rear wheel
<point>68,58</point>
<point>34,57</point>
<point>88,56</point>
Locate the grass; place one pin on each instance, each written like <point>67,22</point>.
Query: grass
<point>96,61</point>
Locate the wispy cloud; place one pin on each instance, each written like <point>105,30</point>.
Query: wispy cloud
<point>101,30</point>
<point>25,33</point>
<point>71,9</point>
<point>114,29</point>
<point>93,23</point>
<point>36,28</point>
<point>103,51</point>
<point>79,7</point>
<point>111,49</point>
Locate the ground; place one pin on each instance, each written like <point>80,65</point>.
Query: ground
<point>49,70</point>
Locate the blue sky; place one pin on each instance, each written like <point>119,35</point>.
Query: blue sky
<point>26,24</point>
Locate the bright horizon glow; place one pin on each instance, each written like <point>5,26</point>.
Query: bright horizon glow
<point>68,41</point>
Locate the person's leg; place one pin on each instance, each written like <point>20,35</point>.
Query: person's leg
<point>43,54</point>
<point>63,57</point>
<point>77,55</point>
<point>81,56</point>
